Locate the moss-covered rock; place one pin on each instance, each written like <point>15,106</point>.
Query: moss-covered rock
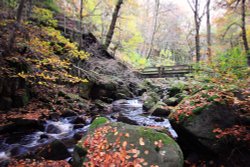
<point>196,118</point>
<point>160,109</point>
<point>120,143</point>
<point>172,101</point>
<point>150,99</point>
<point>97,122</point>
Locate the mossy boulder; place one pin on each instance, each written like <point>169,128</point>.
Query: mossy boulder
<point>172,101</point>
<point>150,99</point>
<point>160,109</point>
<point>176,87</point>
<point>122,144</point>
<point>97,122</point>
<point>198,127</point>
<point>107,88</point>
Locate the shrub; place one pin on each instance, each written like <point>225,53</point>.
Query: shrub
<point>44,17</point>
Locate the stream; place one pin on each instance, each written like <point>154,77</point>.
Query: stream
<point>19,144</point>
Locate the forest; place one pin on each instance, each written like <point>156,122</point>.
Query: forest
<point>124,83</point>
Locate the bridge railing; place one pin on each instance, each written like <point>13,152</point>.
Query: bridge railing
<point>163,71</point>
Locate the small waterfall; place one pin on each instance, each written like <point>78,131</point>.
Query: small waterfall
<point>132,110</point>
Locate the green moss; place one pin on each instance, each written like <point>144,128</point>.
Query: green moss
<point>204,95</point>
<point>97,122</point>
<point>181,117</point>
<point>192,103</point>
<point>153,136</point>
<point>212,98</point>
<point>208,87</point>
<point>199,109</point>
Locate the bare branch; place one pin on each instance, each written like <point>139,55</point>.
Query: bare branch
<point>191,5</point>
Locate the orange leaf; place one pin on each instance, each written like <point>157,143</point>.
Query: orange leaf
<point>141,142</point>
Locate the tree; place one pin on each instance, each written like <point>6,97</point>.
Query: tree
<point>156,13</point>
<point>16,26</point>
<point>243,27</point>
<point>112,24</point>
<point>195,6</point>
<point>80,24</point>
<point>209,51</point>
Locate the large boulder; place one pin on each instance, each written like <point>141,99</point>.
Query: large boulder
<point>119,144</point>
<point>105,88</point>
<point>207,120</point>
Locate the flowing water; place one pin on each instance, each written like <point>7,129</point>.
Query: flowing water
<point>18,144</point>
<point>132,110</point>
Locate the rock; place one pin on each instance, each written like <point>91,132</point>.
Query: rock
<point>54,116</point>
<point>83,106</point>
<point>68,113</point>
<point>98,121</point>
<point>5,103</point>
<point>54,151</point>
<point>159,119</point>
<point>100,104</point>
<point>61,93</point>
<point>85,89</point>
<point>77,136</point>
<point>125,119</point>
<point>154,147</point>
<point>78,126</point>
<point>100,107</point>
<point>121,96</point>
<point>79,120</point>
<point>160,109</point>
<point>173,101</point>
<point>19,151</point>
<point>21,98</point>
<point>20,124</point>
<point>120,102</point>
<point>44,136</point>
<point>176,87</point>
<point>150,99</point>
<point>52,129</point>
<point>199,126</point>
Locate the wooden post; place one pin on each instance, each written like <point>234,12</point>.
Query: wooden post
<point>159,71</point>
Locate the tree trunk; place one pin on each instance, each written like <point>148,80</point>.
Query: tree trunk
<point>209,43</point>
<point>16,26</point>
<point>112,25</point>
<point>243,26</point>
<point>29,9</point>
<point>80,25</point>
<point>157,6</point>
<point>197,32</point>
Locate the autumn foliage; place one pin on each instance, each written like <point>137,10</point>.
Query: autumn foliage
<point>120,153</point>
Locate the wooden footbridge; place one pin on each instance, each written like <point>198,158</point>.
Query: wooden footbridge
<point>166,71</point>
